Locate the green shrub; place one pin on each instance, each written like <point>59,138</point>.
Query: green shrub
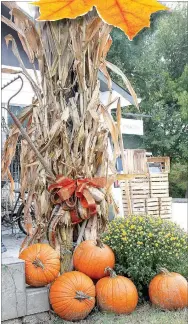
<point>144,244</point>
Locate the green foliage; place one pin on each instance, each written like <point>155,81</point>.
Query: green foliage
<point>156,62</point>
<point>178,180</point>
<point>144,244</point>
<point>166,132</point>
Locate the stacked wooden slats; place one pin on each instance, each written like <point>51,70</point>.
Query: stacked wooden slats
<point>163,160</point>
<point>138,206</point>
<point>139,188</point>
<point>165,207</point>
<point>152,206</point>
<point>149,195</point>
<point>159,186</point>
<point>148,191</point>
<point>135,161</point>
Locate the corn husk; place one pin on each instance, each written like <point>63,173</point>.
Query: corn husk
<point>64,122</point>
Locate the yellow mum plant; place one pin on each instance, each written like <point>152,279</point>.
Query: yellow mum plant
<point>144,244</point>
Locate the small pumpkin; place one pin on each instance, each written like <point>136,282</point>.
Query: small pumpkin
<point>169,290</point>
<point>116,294</point>
<point>92,257</point>
<point>72,296</point>
<point>42,264</point>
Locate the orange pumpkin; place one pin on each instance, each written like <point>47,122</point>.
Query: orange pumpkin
<point>116,294</point>
<point>42,264</point>
<point>72,296</point>
<point>169,290</point>
<point>92,258</point>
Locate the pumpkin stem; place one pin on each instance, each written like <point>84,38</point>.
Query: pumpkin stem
<point>38,263</point>
<point>99,243</point>
<point>111,272</point>
<point>165,271</point>
<point>81,296</point>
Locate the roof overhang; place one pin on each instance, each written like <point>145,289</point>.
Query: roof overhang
<point>8,59</point>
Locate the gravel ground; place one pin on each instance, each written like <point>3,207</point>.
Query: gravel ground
<point>143,315</point>
<point>42,318</point>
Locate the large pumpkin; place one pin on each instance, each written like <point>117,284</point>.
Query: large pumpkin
<point>169,290</point>
<point>42,264</point>
<point>116,294</point>
<point>92,258</point>
<point>72,296</point>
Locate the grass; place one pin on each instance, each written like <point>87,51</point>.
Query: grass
<point>142,315</point>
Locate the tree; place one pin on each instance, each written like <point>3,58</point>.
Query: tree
<point>156,62</point>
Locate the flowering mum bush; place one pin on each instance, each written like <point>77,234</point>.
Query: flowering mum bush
<point>144,244</point>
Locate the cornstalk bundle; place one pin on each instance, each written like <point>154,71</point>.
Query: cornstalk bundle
<point>66,137</point>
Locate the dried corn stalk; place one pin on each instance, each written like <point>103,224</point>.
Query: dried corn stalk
<point>68,125</point>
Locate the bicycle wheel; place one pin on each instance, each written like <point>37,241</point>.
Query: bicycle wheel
<point>20,215</point>
<point>5,221</point>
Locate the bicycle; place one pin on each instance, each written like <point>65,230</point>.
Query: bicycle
<point>11,216</point>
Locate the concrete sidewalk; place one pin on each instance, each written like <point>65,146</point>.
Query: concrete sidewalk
<point>12,243</point>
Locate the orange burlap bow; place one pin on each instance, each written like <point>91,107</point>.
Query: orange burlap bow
<point>69,191</point>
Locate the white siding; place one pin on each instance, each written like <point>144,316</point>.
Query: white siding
<point>26,94</point>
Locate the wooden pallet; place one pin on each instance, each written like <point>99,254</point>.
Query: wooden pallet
<point>148,195</point>
<point>138,207</point>
<point>152,186</point>
<point>152,206</point>
<point>163,160</point>
<point>135,161</point>
<point>159,186</point>
<point>138,188</point>
<point>165,207</point>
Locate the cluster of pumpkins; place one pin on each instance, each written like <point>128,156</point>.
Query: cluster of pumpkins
<point>73,294</point>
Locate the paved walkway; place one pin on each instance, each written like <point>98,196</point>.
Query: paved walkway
<point>12,243</point>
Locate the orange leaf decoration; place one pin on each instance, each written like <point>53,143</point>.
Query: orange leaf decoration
<point>59,9</point>
<point>129,15</point>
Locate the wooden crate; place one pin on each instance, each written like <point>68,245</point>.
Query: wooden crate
<point>165,207</point>
<point>152,206</point>
<point>138,207</point>
<point>159,186</point>
<point>135,161</point>
<point>163,160</point>
<point>153,186</point>
<point>138,188</point>
<point>148,195</point>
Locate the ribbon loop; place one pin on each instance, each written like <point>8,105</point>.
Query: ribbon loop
<point>67,191</point>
